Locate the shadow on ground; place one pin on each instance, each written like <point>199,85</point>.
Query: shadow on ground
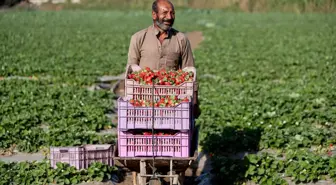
<point>227,148</point>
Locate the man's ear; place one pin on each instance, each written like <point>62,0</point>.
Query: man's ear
<point>154,15</point>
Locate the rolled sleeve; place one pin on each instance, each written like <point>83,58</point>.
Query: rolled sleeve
<point>188,58</point>
<point>133,51</point>
<point>187,55</point>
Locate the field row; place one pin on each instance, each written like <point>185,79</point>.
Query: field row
<point>35,114</point>
<point>266,82</point>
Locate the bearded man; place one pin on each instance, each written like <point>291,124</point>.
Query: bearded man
<point>160,45</point>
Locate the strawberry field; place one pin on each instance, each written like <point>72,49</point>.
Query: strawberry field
<point>267,89</point>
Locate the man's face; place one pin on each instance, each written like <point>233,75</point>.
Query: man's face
<point>165,16</point>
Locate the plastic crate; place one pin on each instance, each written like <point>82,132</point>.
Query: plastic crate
<point>138,91</point>
<point>98,153</point>
<point>176,118</point>
<point>131,145</point>
<point>74,156</point>
<point>82,156</point>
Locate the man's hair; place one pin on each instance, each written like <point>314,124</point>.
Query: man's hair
<point>155,7</point>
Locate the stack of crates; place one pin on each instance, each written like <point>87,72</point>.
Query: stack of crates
<point>173,126</point>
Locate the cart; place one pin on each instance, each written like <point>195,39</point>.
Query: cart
<point>152,170</point>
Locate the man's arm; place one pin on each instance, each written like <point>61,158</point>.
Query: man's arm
<point>133,51</point>
<point>188,61</point>
<point>187,55</point>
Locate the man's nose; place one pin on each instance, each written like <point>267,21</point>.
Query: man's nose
<point>169,16</point>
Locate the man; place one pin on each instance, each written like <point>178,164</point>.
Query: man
<point>160,45</point>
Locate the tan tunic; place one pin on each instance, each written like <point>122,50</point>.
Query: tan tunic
<point>146,50</point>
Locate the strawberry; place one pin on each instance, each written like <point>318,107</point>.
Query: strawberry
<point>185,99</point>
<point>147,76</point>
<point>132,101</point>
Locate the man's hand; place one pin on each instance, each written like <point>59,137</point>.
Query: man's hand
<point>135,67</point>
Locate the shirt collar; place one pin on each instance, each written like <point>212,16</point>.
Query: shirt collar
<point>157,31</point>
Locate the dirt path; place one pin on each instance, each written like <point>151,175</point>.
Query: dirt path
<point>195,38</point>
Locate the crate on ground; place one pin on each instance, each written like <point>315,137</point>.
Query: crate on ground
<point>82,156</point>
<point>135,90</point>
<point>74,156</point>
<point>132,117</point>
<point>134,145</point>
<point>98,153</point>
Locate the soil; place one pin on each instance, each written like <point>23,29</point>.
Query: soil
<point>195,38</point>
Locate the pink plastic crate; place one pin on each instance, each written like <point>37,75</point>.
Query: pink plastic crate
<point>98,153</point>
<point>82,156</point>
<point>176,118</point>
<point>144,92</point>
<point>130,145</point>
<point>71,155</point>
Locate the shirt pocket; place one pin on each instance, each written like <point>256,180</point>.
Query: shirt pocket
<point>173,59</point>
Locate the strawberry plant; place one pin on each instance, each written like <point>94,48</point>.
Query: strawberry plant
<point>305,167</point>
<point>265,169</point>
<point>54,115</point>
<point>41,173</point>
<point>264,84</point>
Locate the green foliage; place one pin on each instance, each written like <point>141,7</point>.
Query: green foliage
<point>41,173</point>
<point>267,86</point>
<point>265,169</point>
<point>266,82</point>
<point>35,114</point>
<point>227,5</point>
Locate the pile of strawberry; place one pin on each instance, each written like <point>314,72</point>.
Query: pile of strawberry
<point>162,77</point>
<point>156,132</point>
<point>165,133</point>
<point>167,101</point>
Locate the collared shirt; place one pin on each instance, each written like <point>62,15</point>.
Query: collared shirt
<point>146,50</point>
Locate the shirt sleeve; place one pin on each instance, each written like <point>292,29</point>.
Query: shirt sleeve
<point>133,51</point>
<point>187,55</point>
<point>188,58</point>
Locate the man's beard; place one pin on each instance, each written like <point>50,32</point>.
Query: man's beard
<point>161,24</point>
